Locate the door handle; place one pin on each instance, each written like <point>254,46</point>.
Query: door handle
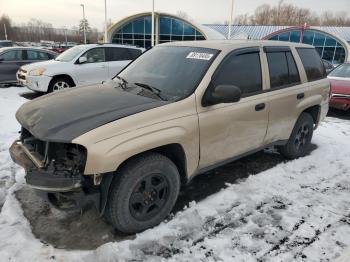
<point>260,107</point>
<point>300,96</point>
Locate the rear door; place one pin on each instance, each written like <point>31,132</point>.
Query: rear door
<point>94,70</point>
<point>285,93</point>
<point>32,56</point>
<point>117,58</point>
<point>10,62</point>
<point>229,130</point>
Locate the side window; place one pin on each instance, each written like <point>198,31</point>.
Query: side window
<point>135,53</point>
<point>118,54</point>
<point>36,55</point>
<point>282,68</point>
<point>15,55</point>
<point>312,63</point>
<point>243,71</point>
<point>95,55</point>
<point>294,77</point>
<point>43,56</point>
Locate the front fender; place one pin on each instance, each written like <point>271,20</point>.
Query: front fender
<point>107,155</point>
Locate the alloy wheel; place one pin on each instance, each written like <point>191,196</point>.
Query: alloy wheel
<point>302,137</point>
<point>61,85</point>
<point>148,197</point>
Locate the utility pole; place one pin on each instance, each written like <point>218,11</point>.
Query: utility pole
<point>65,35</point>
<point>84,22</point>
<point>106,34</point>
<point>231,20</point>
<point>5,31</point>
<point>153,44</point>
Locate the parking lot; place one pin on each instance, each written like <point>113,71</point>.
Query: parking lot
<point>259,208</point>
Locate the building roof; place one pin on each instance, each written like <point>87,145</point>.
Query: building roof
<point>260,31</point>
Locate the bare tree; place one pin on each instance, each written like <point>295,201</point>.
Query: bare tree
<point>183,15</point>
<point>291,15</point>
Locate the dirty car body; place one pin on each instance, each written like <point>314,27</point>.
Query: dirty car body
<point>79,145</point>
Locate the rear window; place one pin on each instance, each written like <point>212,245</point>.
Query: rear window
<point>313,64</point>
<point>118,54</point>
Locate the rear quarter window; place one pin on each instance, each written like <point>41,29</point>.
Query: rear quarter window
<point>118,54</point>
<point>312,63</point>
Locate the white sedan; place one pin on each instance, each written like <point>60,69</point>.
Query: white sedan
<point>80,65</point>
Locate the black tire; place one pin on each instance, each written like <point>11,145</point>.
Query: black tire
<point>142,193</point>
<point>57,80</point>
<point>299,142</point>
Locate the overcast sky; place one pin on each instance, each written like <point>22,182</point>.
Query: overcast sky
<point>68,12</point>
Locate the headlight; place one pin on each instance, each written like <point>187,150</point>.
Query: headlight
<point>37,72</point>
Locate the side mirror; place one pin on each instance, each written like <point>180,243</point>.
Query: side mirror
<point>82,60</point>
<point>1,59</point>
<point>222,94</point>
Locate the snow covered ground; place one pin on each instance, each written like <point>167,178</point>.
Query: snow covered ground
<point>296,211</point>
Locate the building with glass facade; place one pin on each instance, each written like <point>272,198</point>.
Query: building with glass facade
<point>332,43</point>
<point>136,30</point>
<point>330,47</point>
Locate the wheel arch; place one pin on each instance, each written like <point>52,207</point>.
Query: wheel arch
<point>63,76</point>
<point>314,111</point>
<point>174,152</point>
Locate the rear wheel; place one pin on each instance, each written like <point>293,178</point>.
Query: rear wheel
<point>300,140</point>
<point>143,193</point>
<point>59,84</point>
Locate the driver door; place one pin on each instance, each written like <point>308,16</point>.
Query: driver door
<point>94,70</point>
<point>230,130</point>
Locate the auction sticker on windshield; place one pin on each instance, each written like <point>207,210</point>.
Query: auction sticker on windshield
<point>200,56</point>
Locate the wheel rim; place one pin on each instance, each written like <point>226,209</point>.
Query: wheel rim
<point>148,197</point>
<point>302,137</point>
<point>61,85</point>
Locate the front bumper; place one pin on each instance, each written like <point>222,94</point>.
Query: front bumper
<point>35,83</point>
<point>40,177</point>
<point>61,189</point>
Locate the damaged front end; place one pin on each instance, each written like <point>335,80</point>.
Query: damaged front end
<point>56,170</point>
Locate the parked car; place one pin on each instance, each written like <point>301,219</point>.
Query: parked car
<point>79,65</point>
<point>178,110</point>
<point>12,58</point>
<point>328,66</point>
<point>6,43</point>
<point>340,87</point>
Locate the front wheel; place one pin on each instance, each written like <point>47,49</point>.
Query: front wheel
<point>143,193</point>
<point>59,84</point>
<point>299,142</point>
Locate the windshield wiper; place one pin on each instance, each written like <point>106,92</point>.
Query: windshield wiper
<point>124,83</point>
<point>154,90</point>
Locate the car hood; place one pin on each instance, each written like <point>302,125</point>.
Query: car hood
<point>340,85</point>
<point>47,64</point>
<point>65,115</point>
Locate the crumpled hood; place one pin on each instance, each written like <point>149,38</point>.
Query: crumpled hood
<point>65,115</point>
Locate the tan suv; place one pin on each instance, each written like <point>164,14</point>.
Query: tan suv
<point>180,109</point>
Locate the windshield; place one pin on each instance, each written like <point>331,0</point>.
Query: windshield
<point>341,71</point>
<point>71,53</point>
<point>174,72</point>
